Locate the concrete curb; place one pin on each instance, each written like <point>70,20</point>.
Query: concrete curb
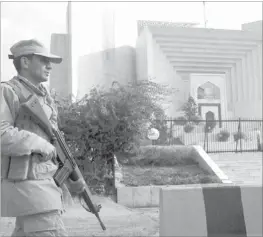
<point>148,196</point>
<point>205,162</point>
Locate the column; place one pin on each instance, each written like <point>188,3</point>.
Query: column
<point>251,77</point>
<point>150,53</point>
<point>244,79</point>
<point>259,53</point>
<point>255,68</point>
<point>239,81</point>
<point>234,84</point>
<point>229,94</point>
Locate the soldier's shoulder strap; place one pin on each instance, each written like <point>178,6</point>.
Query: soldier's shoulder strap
<point>20,90</point>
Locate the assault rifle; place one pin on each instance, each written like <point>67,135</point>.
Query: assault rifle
<point>68,167</point>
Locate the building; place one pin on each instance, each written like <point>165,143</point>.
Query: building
<point>220,69</point>
<point>104,67</point>
<point>61,75</point>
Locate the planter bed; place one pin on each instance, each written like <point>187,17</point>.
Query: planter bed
<point>175,175</point>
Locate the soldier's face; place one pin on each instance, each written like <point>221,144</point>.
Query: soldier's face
<point>39,68</point>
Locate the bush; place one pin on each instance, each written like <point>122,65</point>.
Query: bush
<point>222,136</point>
<point>180,121</point>
<point>177,141</point>
<point>108,121</point>
<point>238,136</point>
<point>196,119</point>
<point>188,127</point>
<point>190,108</point>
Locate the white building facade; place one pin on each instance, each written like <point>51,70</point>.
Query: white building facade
<point>220,69</point>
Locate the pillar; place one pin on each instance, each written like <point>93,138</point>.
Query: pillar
<point>61,76</point>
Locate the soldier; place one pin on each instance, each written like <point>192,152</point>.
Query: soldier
<point>29,192</point>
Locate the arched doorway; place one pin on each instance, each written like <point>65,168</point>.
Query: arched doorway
<point>210,116</point>
<point>210,121</point>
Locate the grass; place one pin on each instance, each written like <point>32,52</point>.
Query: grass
<point>184,174</point>
<point>164,165</point>
<point>161,156</point>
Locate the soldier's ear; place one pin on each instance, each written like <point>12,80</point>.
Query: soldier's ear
<point>25,61</point>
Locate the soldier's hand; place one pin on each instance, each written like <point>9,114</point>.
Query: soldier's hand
<point>76,186</point>
<point>46,151</point>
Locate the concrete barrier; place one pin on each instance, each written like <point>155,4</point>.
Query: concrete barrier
<point>218,210</point>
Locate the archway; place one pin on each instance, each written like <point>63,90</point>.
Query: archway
<point>210,116</point>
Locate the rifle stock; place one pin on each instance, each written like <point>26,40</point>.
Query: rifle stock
<point>68,167</point>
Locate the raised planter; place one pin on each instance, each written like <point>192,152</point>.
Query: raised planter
<point>148,196</point>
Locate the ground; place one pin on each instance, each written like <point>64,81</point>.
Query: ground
<point>121,221</point>
<point>241,168</point>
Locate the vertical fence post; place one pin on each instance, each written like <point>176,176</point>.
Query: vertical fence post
<point>171,131</point>
<point>206,137</point>
<point>238,127</point>
<point>113,163</point>
<point>240,132</point>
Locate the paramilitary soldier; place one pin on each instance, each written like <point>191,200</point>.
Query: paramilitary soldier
<point>29,192</point>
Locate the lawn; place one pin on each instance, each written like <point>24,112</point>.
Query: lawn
<point>182,174</point>
<point>164,165</point>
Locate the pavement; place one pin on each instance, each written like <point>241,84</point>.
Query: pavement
<point>241,168</point>
<point>119,221</point>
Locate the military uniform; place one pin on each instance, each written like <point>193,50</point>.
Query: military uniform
<point>33,197</point>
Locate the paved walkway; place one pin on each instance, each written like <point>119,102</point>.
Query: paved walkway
<point>241,168</point>
<point>119,221</point>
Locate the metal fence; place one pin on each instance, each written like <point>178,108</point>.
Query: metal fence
<point>233,135</point>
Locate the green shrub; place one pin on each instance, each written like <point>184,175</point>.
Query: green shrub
<point>190,108</point>
<point>176,141</point>
<point>196,119</point>
<point>180,121</point>
<point>188,127</point>
<point>238,136</point>
<point>223,136</point>
<point>108,121</point>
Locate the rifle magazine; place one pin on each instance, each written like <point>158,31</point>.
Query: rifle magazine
<point>61,175</point>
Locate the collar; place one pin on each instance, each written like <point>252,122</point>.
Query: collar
<point>38,90</point>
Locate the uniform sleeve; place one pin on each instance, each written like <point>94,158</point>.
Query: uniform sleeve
<point>51,102</point>
<point>15,142</point>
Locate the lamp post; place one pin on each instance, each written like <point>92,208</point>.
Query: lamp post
<point>69,41</point>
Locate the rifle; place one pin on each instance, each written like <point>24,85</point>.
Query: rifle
<point>68,167</point>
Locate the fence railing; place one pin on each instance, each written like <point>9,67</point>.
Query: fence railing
<point>232,135</point>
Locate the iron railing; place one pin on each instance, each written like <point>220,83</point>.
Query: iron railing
<point>232,135</point>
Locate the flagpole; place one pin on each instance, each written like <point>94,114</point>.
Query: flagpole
<point>69,34</point>
<point>204,10</point>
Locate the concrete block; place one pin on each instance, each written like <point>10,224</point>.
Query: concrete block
<point>142,196</point>
<point>125,196</point>
<point>182,212</point>
<point>252,208</point>
<point>211,210</point>
<point>155,195</point>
